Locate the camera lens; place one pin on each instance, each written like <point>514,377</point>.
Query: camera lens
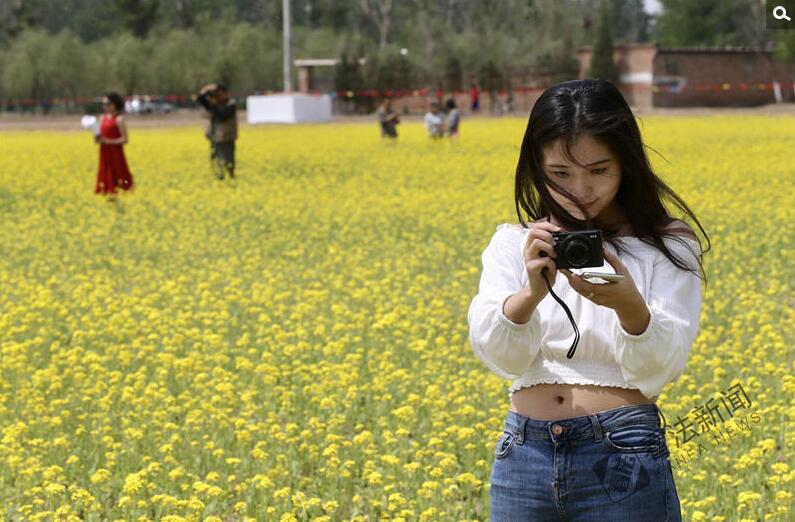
<point>577,253</point>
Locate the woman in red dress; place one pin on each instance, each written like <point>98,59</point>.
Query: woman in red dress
<point>113,172</point>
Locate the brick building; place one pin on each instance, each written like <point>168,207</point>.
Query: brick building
<point>653,76</point>
<point>649,76</point>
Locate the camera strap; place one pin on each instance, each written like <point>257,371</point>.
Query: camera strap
<point>573,348</point>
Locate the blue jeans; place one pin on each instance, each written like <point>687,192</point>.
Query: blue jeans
<point>612,465</point>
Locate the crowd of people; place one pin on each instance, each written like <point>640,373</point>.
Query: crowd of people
<point>437,123</point>
<point>220,108</point>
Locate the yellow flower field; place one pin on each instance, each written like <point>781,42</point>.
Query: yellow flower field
<point>294,347</point>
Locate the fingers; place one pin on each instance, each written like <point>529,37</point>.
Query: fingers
<point>553,270</point>
<point>615,262</point>
<point>540,239</point>
<point>539,264</point>
<point>542,235</point>
<point>537,246</point>
<point>546,224</point>
<point>580,285</point>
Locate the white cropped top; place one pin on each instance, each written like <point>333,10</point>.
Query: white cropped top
<point>535,352</point>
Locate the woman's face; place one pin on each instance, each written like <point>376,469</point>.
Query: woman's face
<point>108,106</point>
<point>594,182</point>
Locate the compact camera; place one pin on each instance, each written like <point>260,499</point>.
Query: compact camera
<point>580,249</point>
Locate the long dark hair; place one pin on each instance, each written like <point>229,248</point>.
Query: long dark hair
<point>597,108</point>
<point>116,100</point>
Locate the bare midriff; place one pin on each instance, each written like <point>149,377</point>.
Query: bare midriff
<point>563,401</point>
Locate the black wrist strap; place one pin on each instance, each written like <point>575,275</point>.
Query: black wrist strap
<point>573,348</point>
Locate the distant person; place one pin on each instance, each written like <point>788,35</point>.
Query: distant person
<point>113,172</point>
<point>508,105</point>
<point>222,129</point>
<point>453,118</point>
<point>474,96</point>
<point>388,119</point>
<point>494,106</point>
<point>434,121</point>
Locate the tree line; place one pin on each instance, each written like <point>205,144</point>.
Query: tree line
<point>74,48</point>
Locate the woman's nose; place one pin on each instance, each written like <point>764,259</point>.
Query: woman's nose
<point>583,193</point>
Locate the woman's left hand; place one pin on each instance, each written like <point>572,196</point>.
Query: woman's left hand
<point>620,296</point>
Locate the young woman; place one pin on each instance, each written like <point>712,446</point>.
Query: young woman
<point>583,439</point>
<point>113,172</point>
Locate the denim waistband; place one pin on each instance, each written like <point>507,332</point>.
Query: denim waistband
<point>592,426</point>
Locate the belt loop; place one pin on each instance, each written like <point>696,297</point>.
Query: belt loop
<point>597,428</point>
<point>522,428</point>
<point>661,417</point>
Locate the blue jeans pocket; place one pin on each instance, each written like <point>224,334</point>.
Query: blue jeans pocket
<point>635,438</point>
<point>505,444</point>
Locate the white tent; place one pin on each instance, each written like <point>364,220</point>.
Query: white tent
<point>288,108</point>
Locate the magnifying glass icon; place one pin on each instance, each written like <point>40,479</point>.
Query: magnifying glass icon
<point>779,13</point>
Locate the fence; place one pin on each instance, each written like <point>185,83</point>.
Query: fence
<point>417,100</point>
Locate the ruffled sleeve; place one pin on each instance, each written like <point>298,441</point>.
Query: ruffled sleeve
<point>658,356</point>
<point>505,347</point>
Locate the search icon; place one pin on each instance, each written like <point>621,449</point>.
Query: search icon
<point>779,13</point>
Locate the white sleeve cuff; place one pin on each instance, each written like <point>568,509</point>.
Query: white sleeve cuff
<point>641,337</point>
<point>510,324</point>
<point>506,348</point>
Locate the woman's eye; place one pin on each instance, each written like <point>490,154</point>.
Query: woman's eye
<point>599,171</point>
<point>561,174</point>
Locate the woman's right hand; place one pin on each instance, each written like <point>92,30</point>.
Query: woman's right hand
<point>539,239</point>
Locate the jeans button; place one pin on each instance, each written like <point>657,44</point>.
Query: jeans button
<point>557,429</point>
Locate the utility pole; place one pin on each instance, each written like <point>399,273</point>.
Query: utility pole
<point>286,7</point>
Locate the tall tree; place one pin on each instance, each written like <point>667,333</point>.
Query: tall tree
<point>138,16</point>
<point>711,23</point>
<point>128,71</point>
<point>380,13</point>
<point>602,65</point>
<point>25,72</point>
<point>785,46</point>
<point>629,22</point>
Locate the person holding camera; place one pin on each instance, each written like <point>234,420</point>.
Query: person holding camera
<point>588,356</point>
<point>388,119</point>
<point>222,128</point>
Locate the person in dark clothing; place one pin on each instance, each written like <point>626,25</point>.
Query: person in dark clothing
<point>222,128</point>
<point>388,119</point>
<point>453,118</point>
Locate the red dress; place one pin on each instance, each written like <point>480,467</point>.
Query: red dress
<point>113,171</point>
